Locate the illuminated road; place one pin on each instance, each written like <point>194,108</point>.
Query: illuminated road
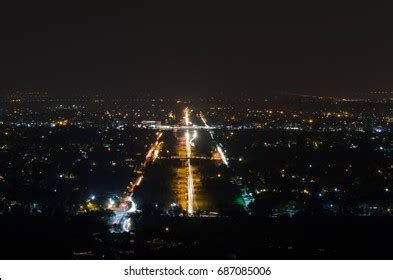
<point>218,145</point>
<point>190,180</point>
<point>180,127</point>
<point>121,221</point>
<point>246,195</point>
<point>186,180</point>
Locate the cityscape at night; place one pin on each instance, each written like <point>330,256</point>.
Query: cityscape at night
<point>150,177</point>
<point>148,131</point>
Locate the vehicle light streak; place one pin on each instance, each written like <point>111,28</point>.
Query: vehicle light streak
<point>190,184</point>
<point>223,158</point>
<point>186,117</point>
<point>155,154</point>
<point>204,121</point>
<point>219,149</point>
<point>121,218</point>
<point>194,136</point>
<point>138,182</point>
<point>133,207</point>
<point>190,181</point>
<point>127,225</point>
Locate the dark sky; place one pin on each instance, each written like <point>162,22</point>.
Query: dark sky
<point>321,49</point>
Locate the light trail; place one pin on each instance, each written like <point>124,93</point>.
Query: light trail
<point>194,136</point>
<point>206,125</point>
<point>190,208</point>
<point>246,196</point>
<point>182,127</point>
<point>218,146</point>
<point>204,121</point>
<point>186,117</point>
<point>190,180</point>
<point>223,157</point>
<point>155,155</point>
<point>133,207</point>
<point>138,182</point>
<point>128,205</point>
<point>127,225</point>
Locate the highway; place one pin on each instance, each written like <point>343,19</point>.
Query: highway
<point>121,221</point>
<point>190,180</point>
<point>247,198</point>
<point>218,145</point>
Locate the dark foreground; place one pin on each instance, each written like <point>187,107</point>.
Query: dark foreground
<point>87,237</point>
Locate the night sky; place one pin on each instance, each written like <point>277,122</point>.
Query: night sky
<point>120,48</point>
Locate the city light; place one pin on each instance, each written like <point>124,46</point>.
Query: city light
<point>190,181</point>
<point>141,131</point>
<point>223,157</point>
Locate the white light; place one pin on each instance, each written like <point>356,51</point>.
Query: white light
<point>224,160</point>
<point>190,183</point>
<point>127,225</point>
<point>193,137</point>
<point>138,182</point>
<point>133,208</point>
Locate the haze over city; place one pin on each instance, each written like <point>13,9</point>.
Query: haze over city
<point>190,49</point>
